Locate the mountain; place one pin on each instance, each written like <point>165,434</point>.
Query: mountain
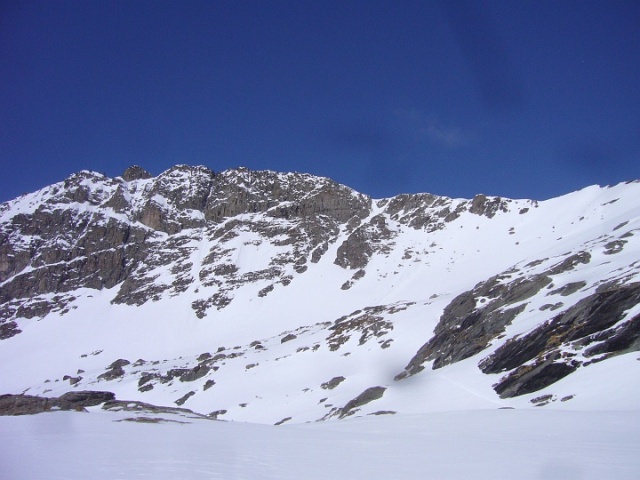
<point>283,297</point>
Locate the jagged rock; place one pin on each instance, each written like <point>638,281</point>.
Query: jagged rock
<point>286,419</point>
<point>115,370</point>
<point>142,407</point>
<point>614,247</point>
<point>580,324</point>
<point>28,404</point>
<point>145,378</point>
<point>215,414</point>
<point>570,263</point>
<point>466,329</point>
<point>86,398</point>
<point>8,330</point>
<point>369,323</point>
<point>195,373</point>
<point>135,173</point>
<point>369,395</point>
<point>333,383</point>
<point>288,338</point>
<point>184,398</point>
<point>23,404</point>
<point>568,289</point>
<point>187,230</point>
<point>528,379</point>
<point>625,338</point>
<point>482,205</point>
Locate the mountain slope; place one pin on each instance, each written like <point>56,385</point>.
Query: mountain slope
<point>270,297</point>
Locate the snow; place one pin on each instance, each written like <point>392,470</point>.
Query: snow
<point>450,422</point>
<point>483,444</point>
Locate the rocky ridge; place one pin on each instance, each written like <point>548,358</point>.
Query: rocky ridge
<point>527,291</point>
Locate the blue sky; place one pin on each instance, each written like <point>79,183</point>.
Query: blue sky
<point>524,99</point>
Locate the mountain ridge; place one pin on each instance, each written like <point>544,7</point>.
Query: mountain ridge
<point>234,281</point>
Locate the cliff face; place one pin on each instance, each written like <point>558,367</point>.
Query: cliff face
<point>530,291</point>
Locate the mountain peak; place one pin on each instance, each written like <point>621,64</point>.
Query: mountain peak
<point>135,172</point>
<point>219,283</point>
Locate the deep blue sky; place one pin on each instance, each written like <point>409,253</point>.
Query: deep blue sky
<point>526,99</point>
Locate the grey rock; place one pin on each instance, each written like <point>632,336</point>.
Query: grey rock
<point>333,383</point>
<point>585,323</point>
<point>288,338</point>
<point>195,373</point>
<point>184,398</point>
<point>135,173</point>
<point>28,404</point>
<point>466,329</point>
<point>368,396</point>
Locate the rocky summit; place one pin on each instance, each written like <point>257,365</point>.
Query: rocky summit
<point>285,297</point>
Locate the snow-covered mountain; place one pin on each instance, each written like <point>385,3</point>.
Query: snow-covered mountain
<point>283,297</point>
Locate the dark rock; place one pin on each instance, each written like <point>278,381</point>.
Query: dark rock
<point>525,380</point>
<point>215,414</point>
<point>614,247</point>
<point>570,263</point>
<point>542,400</point>
<point>184,398</point>
<point>135,173</point>
<point>288,338</point>
<point>8,330</point>
<point>552,307</point>
<point>368,322</point>
<point>369,395</point>
<point>624,339</point>
<point>195,373</point>
<point>466,329</point>
<point>333,383</point>
<point>582,324</point>
<point>115,370</point>
<point>145,378</point>
<point>121,362</point>
<point>86,398</point>
<point>483,205</point>
<point>23,404</point>
<point>568,289</point>
<point>28,404</point>
<point>355,251</point>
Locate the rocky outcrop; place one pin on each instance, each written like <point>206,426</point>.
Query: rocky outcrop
<point>91,231</point>
<point>135,173</point>
<point>368,396</point>
<point>544,356</point>
<point>28,404</point>
<point>474,318</point>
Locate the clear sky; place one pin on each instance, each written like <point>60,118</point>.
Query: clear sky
<point>524,99</point>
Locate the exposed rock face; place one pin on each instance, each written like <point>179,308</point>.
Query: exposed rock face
<point>95,232</point>
<point>540,358</point>
<point>467,326</point>
<point>91,231</point>
<point>28,404</point>
<point>231,242</point>
<point>536,359</point>
<point>135,173</point>
<point>369,395</point>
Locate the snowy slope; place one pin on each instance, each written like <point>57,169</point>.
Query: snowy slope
<point>268,297</point>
